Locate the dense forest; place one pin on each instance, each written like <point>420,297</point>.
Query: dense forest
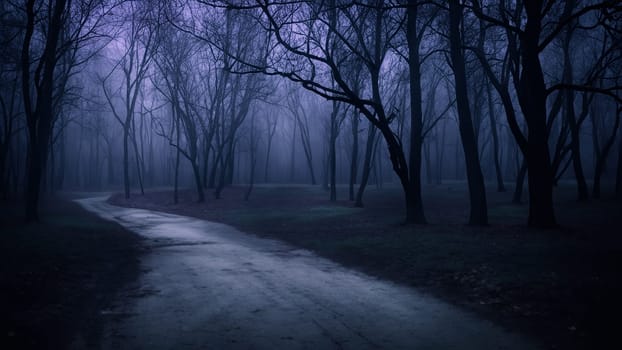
<point>150,93</point>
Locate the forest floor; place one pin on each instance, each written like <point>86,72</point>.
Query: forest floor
<point>560,286</point>
<point>58,276</point>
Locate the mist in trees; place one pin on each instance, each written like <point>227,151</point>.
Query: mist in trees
<point>516,96</point>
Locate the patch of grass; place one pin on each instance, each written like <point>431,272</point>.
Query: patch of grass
<point>56,275</point>
<point>507,211</point>
<point>253,216</point>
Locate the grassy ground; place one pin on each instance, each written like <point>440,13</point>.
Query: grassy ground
<point>57,276</point>
<point>560,286</point>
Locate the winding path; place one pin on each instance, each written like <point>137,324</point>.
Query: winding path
<point>209,286</point>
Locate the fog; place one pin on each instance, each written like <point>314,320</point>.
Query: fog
<point>310,174</point>
<point>206,95</point>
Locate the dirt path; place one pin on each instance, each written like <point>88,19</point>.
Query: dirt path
<point>209,286</point>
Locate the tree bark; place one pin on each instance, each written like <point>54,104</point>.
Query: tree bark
<point>532,99</point>
<point>477,191</point>
<point>414,200</point>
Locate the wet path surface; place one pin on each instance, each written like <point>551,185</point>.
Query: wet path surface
<point>208,286</point>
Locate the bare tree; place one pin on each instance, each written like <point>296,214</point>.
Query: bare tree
<point>175,60</point>
<point>318,40</point>
<point>527,37</point>
<point>138,45</point>
<point>477,191</point>
<point>302,124</point>
<point>63,27</point>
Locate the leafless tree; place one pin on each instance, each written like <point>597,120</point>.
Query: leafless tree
<point>137,45</point>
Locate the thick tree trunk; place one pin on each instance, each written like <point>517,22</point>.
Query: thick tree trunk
<point>532,99</point>
<point>477,191</point>
<point>413,197</point>
<point>39,119</point>
<point>398,161</point>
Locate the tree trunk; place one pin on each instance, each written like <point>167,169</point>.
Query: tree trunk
<point>495,140</point>
<point>520,179</point>
<point>205,163</point>
<point>292,162</point>
<point>253,159</point>
<point>177,158</point>
<point>271,131</point>
<point>39,119</point>
<point>602,156</point>
<point>440,155</point>
<point>398,161</point>
<point>126,163</point>
<point>355,155</point>
<point>569,113</point>
<point>60,177</point>
<point>110,161</point>
<point>197,178</point>
<point>532,99</point>
<point>267,165</point>
<point>477,191</point>
<point>332,152</point>
<point>367,164</point>
<point>214,169</point>
<point>226,163</point>
<point>138,163</point>
<point>52,166</point>
<point>413,197</point>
